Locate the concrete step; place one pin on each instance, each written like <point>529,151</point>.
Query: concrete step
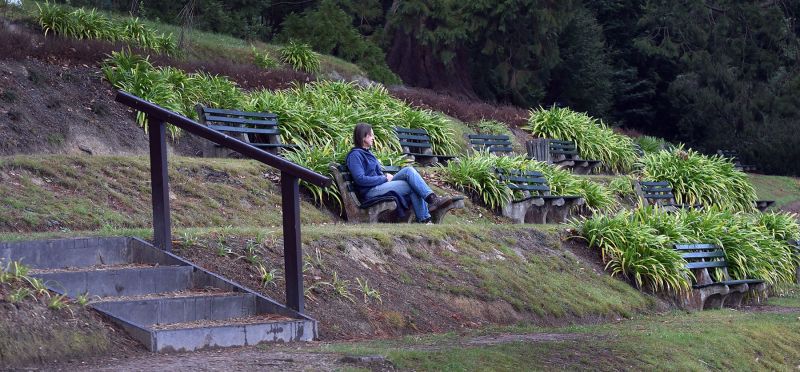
<point>153,311</point>
<point>120,282</point>
<point>237,332</point>
<point>63,253</point>
<point>160,299</point>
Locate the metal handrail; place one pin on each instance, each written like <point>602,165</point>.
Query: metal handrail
<point>291,173</point>
<point>193,127</point>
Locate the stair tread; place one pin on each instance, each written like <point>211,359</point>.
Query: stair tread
<point>252,319</point>
<point>99,268</point>
<point>194,292</point>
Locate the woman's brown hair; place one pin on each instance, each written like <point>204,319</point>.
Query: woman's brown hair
<point>361,130</point>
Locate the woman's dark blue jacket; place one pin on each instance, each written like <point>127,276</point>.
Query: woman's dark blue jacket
<point>365,169</point>
<point>366,172</point>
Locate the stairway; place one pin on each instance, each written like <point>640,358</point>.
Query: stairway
<point>161,300</point>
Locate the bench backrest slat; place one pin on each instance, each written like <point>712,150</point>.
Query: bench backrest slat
<point>687,247</point>
<point>222,112</point>
<point>493,143</point>
<point>413,139</point>
<point>243,121</point>
<point>656,192</point>
<point>531,181</point>
<point>222,128</point>
<point>414,144</point>
<point>696,255</point>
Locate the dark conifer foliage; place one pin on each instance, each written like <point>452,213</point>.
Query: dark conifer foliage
<point>714,74</point>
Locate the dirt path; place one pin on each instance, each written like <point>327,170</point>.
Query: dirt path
<point>292,357</point>
<point>308,357</point>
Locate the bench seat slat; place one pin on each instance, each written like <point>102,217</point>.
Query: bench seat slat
<point>513,186</point>
<point>565,197</point>
<point>225,119</point>
<point>655,189</point>
<point>705,265</point>
<point>377,200</point>
<point>742,281</point>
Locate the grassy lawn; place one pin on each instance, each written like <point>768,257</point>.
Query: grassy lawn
<point>707,340</point>
<point>208,45</point>
<point>784,190</point>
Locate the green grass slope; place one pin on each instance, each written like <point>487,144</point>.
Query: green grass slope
<point>62,193</point>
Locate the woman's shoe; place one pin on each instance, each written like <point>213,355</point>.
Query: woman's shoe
<point>437,202</point>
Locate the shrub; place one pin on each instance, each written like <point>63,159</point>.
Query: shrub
<point>636,251</point>
<point>318,112</point>
<point>650,144</point>
<point>300,57</point>
<point>81,24</point>
<point>623,186</point>
<point>493,127</point>
<point>264,60</point>
<point>697,178</point>
<point>638,244</point>
<point>594,139</point>
<point>475,174</point>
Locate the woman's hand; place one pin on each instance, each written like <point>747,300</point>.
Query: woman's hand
<point>388,177</point>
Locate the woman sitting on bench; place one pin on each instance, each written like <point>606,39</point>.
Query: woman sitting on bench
<point>371,182</point>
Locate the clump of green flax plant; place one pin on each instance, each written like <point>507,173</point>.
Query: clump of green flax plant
<point>475,175</point>
<point>300,56</point>
<point>638,244</point>
<point>594,139</point>
<point>82,24</point>
<point>697,178</point>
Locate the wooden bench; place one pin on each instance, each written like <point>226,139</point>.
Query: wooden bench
<point>381,209</point>
<point>762,205</point>
<point>659,193</point>
<point>535,205</point>
<point>495,144</point>
<point>560,153</point>
<point>256,128</point>
<point>416,145</point>
<point>733,156</point>
<point>708,292</point>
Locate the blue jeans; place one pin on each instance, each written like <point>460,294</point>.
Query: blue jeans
<point>407,182</point>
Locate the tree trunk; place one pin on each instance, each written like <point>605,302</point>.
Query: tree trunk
<point>418,66</point>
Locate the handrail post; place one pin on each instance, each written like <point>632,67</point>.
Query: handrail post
<point>292,243</point>
<point>159,183</point>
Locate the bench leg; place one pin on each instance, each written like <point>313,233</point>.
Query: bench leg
<point>715,301</point>
<point>693,301</point>
<point>515,211</point>
<point>536,214</point>
<point>558,214</point>
<point>438,215</point>
<point>735,296</point>
<point>758,293</point>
